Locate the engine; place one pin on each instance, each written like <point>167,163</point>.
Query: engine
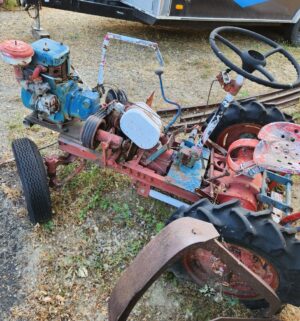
<point>49,89</point>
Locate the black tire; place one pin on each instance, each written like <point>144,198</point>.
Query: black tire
<point>294,34</point>
<point>257,232</point>
<point>118,94</point>
<point>34,180</point>
<point>111,95</point>
<point>247,112</point>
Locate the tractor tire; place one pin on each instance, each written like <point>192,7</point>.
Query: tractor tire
<point>244,120</point>
<point>253,232</point>
<point>34,180</point>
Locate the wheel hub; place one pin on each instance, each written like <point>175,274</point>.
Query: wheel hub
<point>205,268</point>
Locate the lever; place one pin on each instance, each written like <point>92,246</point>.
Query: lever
<point>159,73</point>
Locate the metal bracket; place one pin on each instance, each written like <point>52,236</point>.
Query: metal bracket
<point>165,249</point>
<point>285,181</point>
<point>135,41</point>
<point>37,31</point>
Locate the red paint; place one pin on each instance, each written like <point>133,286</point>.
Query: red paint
<point>238,131</point>
<point>290,218</point>
<point>205,268</point>
<point>53,162</point>
<point>235,186</point>
<point>279,148</point>
<point>280,130</point>
<point>16,49</point>
<point>36,72</point>
<point>243,150</point>
<point>114,141</point>
<point>161,164</point>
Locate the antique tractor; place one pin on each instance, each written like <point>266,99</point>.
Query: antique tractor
<point>236,170</point>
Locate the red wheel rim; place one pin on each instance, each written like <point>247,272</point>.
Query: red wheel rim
<point>205,268</point>
<point>238,131</point>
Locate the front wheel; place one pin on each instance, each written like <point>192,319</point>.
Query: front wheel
<point>256,240</point>
<point>34,180</point>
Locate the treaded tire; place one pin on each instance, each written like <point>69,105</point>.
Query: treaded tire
<point>34,180</point>
<point>118,94</point>
<point>250,111</point>
<point>255,231</point>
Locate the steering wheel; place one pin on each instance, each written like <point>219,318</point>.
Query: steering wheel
<point>251,59</point>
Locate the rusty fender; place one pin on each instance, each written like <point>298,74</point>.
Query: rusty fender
<point>166,248</point>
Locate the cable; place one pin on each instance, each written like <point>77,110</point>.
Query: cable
<point>210,89</point>
<point>12,159</point>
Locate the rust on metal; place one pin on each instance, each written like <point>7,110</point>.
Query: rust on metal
<point>153,260</point>
<point>279,148</point>
<point>250,277</point>
<point>52,162</point>
<point>166,248</point>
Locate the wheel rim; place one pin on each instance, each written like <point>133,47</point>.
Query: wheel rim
<point>205,268</point>
<point>238,131</point>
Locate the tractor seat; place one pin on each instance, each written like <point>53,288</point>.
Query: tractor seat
<point>279,148</point>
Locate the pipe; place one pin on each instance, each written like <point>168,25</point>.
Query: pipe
<point>167,128</point>
<point>18,73</point>
<point>36,72</point>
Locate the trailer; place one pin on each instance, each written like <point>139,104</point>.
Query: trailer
<point>190,13</point>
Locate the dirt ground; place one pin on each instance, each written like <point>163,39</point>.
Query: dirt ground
<point>66,269</point>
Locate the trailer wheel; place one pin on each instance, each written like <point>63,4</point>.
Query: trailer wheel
<point>294,34</point>
<point>244,120</point>
<point>34,180</point>
<point>254,238</point>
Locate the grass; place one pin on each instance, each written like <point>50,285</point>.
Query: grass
<point>100,226</point>
<point>10,4</point>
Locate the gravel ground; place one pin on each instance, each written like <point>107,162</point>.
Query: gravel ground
<point>39,266</point>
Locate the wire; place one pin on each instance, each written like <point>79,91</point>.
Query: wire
<point>13,159</point>
<point>210,89</point>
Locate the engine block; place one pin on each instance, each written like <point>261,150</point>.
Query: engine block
<point>49,88</point>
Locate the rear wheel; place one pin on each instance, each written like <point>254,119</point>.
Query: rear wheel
<point>244,120</point>
<point>34,180</point>
<point>256,240</point>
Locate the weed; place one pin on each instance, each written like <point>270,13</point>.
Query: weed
<point>296,117</point>
<point>159,226</point>
<point>49,226</point>
<point>244,93</point>
<point>123,213</point>
<point>134,247</point>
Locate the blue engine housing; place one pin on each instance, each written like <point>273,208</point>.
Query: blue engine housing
<point>73,101</point>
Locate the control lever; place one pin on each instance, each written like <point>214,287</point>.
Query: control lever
<point>159,73</point>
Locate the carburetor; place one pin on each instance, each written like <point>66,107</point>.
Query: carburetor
<point>48,87</point>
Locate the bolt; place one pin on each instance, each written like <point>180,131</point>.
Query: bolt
<point>196,231</point>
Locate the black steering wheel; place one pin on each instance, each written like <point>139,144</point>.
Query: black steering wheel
<point>251,59</point>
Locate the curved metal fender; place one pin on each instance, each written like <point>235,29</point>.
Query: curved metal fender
<point>166,248</point>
